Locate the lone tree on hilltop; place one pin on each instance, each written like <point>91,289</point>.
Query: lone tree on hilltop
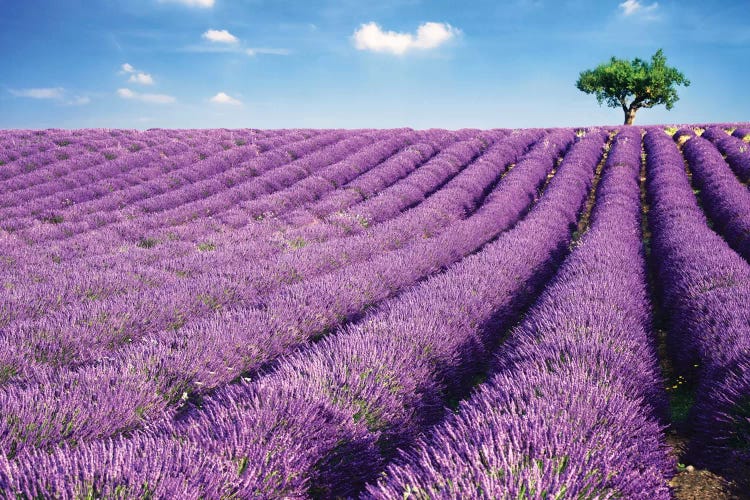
<point>633,84</point>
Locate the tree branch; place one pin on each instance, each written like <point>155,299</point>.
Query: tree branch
<point>624,104</point>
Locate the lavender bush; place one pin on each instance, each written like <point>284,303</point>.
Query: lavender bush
<point>573,408</point>
<point>290,313</point>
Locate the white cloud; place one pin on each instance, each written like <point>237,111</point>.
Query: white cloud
<point>142,78</point>
<point>150,98</point>
<point>267,50</point>
<point>78,100</point>
<point>126,93</point>
<point>58,94</point>
<point>370,36</point>
<point>136,75</point>
<point>222,98</point>
<point>206,4</point>
<point>40,93</point>
<point>220,36</point>
<point>431,35</point>
<point>630,7</point>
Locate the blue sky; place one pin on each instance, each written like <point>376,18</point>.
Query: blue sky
<point>351,63</point>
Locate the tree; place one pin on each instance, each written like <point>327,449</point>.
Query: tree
<point>633,84</point>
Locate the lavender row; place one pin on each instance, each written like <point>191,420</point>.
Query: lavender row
<point>725,200</point>
<point>25,300</point>
<point>573,407</point>
<point>298,235</point>
<point>88,177</point>
<point>415,188</point>
<point>270,227</point>
<point>15,170</point>
<point>61,186</point>
<point>123,259</point>
<point>134,163</point>
<point>377,385</point>
<point>127,314</point>
<point>19,155</point>
<point>326,180</point>
<point>91,244</point>
<point>373,182</point>
<point>736,151</point>
<point>75,162</point>
<point>31,297</point>
<point>705,289</point>
<point>221,202</point>
<point>224,349</point>
<point>196,186</point>
<point>65,159</point>
<point>351,243</point>
<point>284,394</point>
<point>310,180</point>
<point>742,132</point>
<point>69,196</point>
<point>229,180</point>
<point>129,224</point>
<point>133,223</point>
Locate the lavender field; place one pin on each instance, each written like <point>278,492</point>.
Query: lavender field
<point>526,313</point>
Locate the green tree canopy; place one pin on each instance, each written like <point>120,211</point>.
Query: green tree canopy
<point>633,84</point>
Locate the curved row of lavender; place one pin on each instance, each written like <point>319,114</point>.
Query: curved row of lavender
<point>359,411</point>
<point>217,244</point>
<point>705,289</point>
<point>574,406</point>
<point>162,290</point>
<point>742,132</point>
<point>163,307</point>
<point>735,151</point>
<point>68,342</point>
<point>217,350</point>
<point>725,200</point>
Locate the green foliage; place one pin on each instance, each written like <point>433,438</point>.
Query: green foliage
<point>681,399</point>
<point>296,243</point>
<point>206,247</point>
<point>7,371</point>
<point>633,84</point>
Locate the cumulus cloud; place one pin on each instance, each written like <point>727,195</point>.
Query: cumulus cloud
<point>40,93</point>
<point>630,7</point>
<point>370,36</point>
<point>126,93</point>
<point>253,51</point>
<point>142,78</point>
<point>136,75</point>
<point>206,4</point>
<point>220,36</point>
<point>223,98</point>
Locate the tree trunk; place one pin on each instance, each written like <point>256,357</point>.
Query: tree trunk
<point>630,116</point>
